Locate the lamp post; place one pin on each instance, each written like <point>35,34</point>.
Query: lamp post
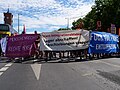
<point>67,23</point>
<point>18,23</point>
<point>68,20</point>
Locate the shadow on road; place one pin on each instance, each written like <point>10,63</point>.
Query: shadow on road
<point>43,61</point>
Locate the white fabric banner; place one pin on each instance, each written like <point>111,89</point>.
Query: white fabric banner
<point>64,40</point>
<point>3,42</point>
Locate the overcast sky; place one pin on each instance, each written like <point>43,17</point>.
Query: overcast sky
<point>44,15</point>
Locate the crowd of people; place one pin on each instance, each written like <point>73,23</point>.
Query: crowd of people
<point>81,54</point>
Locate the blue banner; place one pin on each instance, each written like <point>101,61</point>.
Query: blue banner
<point>102,42</point>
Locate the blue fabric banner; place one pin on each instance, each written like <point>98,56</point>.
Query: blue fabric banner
<point>102,42</point>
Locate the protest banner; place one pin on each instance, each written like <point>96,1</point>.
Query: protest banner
<point>64,40</point>
<point>3,43</point>
<point>20,45</point>
<point>103,42</point>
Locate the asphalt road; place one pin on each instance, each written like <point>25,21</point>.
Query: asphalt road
<point>102,74</point>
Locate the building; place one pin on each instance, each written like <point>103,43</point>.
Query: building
<point>7,29</point>
<point>8,18</point>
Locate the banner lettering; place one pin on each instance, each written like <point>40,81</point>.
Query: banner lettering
<point>20,45</point>
<point>64,40</point>
<point>102,42</point>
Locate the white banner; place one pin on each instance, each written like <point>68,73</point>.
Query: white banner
<point>64,40</point>
<point>3,44</point>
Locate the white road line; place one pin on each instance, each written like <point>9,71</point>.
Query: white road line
<point>1,73</point>
<point>87,74</point>
<point>3,69</point>
<point>8,65</point>
<point>36,69</point>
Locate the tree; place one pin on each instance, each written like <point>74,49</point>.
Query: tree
<point>106,11</point>
<point>78,24</point>
<point>63,29</point>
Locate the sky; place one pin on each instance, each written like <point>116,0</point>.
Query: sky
<point>44,15</point>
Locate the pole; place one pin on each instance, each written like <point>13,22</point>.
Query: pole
<point>67,23</point>
<point>18,23</point>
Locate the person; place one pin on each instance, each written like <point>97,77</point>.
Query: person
<point>35,32</point>
<point>23,32</point>
<point>0,48</point>
<point>37,44</point>
<point>37,41</point>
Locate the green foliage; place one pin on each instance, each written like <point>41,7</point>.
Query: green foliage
<point>106,11</point>
<point>77,23</point>
<point>63,29</point>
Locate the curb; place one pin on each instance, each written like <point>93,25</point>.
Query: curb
<point>3,58</point>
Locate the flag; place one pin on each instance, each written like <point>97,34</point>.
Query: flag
<point>24,30</point>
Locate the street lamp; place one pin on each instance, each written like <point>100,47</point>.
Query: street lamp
<point>68,20</point>
<point>18,23</point>
<point>67,23</point>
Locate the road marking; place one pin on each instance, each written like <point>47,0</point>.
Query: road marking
<point>1,73</point>
<point>36,69</point>
<point>8,65</point>
<point>3,69</point>
<point>87,74</point>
